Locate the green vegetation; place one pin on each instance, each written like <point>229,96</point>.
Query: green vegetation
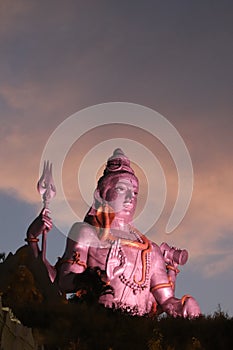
<point>88,327</point>
<point>83,324</point>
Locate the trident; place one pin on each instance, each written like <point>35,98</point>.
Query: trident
<point>47,189</point>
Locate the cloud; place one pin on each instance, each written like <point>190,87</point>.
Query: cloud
<point>12,15</point>
<point>15,217</point>
<point>57,60</point>
<point>220,264</point>
<point>24,97</point>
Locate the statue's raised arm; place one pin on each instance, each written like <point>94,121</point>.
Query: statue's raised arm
<point>43,223</point>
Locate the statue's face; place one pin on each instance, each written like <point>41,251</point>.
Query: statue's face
<point>123,198</point>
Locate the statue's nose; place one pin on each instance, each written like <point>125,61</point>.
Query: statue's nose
<point>129,195</point>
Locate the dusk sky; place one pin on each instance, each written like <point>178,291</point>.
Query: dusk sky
<point>174,57</point>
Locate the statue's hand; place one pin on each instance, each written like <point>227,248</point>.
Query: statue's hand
<point>43,223</point>
<point>191,308</point>
<point>116,260</point>
<point>186,307</point>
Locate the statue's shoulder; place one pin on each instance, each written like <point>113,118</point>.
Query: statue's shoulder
<point>155,248</point>
<point>82,232</point>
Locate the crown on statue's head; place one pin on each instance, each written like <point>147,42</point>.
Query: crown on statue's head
<point>118,162</point>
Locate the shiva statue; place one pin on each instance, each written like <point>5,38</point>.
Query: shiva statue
<point>141,274</point>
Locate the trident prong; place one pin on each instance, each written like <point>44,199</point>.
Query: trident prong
<point>46,185</point>
<point>47,189</point>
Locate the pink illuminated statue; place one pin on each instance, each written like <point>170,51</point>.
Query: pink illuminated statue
<point>141,274</point>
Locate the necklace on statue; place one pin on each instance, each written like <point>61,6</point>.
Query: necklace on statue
<point>143,244</point>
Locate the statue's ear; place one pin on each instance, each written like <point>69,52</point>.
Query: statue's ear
<point>98,201</point>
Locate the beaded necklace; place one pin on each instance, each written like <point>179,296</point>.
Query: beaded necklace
<point>144,245</point>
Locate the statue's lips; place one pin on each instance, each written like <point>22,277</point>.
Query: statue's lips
<point>128,206</point>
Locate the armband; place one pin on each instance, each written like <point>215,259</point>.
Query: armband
<point>33,239</point>
<point>161,285</point>
<point>75,260</point>
<point>170,267</point>
<point>184,298</point>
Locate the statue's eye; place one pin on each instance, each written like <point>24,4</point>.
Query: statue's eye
<point>120,189</point>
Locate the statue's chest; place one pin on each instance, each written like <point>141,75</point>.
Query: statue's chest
<point>97,257</point>
<point>137,272</point>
